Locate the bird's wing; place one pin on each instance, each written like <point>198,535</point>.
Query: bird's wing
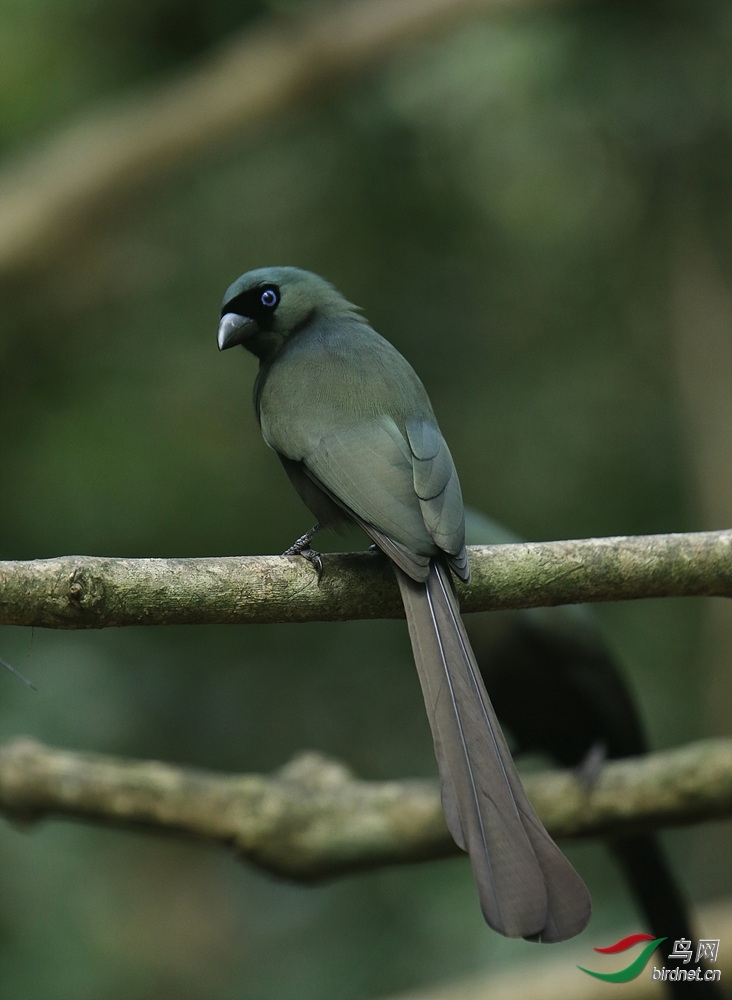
<point>436,484</point>
<point>402,486</point>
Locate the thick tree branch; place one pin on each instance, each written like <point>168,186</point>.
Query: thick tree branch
<point>95,592</point>
<point>314,819</point>
<point>58,190</point>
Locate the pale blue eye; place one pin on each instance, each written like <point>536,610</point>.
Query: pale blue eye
<point>268,298</point>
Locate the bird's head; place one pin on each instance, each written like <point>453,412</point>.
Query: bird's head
<point>263,308</point>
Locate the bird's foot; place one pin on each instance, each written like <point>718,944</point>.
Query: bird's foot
<point>589,768</point>
<point>301,547</point>
<point>314,558</point>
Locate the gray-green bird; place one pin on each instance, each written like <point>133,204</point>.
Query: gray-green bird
<point>353,426</point>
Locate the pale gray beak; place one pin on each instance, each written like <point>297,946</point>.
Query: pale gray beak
<point>233,329</point>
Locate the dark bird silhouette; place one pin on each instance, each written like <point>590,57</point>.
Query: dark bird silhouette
<point>556,687</point>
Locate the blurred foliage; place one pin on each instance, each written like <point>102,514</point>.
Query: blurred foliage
<point>504,202</point>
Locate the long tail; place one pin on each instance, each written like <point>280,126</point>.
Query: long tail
<point>527,888</point>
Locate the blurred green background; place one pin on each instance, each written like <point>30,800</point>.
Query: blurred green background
<point>537,210</point>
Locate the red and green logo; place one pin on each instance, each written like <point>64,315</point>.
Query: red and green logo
<point>636,966</point>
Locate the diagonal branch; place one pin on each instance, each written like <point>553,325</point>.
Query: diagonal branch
<point>314,819</point>
<point>96,592</point>
<point>58,190</point>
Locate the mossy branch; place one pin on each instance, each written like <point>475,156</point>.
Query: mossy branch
<point>314,819</point>
<point>96,592</point>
